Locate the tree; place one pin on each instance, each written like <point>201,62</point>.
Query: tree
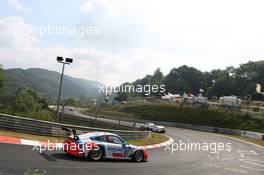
<point>224,86</point>
<point>157,77</point>
<point>183,79</point>
<point>122,96</point>
<point>82,101</point>
<point>70,102</point>
<point>27,100</point>
<point>248,75</point>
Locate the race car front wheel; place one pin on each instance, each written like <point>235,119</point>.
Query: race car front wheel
<point>138,156</point>
<point>96,154</point>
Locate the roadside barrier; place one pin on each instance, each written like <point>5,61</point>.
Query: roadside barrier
<point>248,134</point>
<point>253,135</point>
<point>39,127</point>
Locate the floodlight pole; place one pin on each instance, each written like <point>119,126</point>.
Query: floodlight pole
<point>67,61</point>
<point>58,101</point>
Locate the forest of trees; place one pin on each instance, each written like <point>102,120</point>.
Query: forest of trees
<point>240,81</point>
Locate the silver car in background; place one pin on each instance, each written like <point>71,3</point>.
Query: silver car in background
<point>159,129</point>
<point>152,127</point>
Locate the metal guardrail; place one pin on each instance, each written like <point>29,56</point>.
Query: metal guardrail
<point>248,134</point>
<point>85,118</point>
<point>39,127</point>
<point>174,124</point>
<point>201,128</point>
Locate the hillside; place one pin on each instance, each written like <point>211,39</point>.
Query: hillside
<point>46,83</point>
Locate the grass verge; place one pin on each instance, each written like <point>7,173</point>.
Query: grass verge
<point>154,138</point>
<point>43,114</point>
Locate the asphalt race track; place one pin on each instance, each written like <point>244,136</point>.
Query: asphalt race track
<point>243,159</point>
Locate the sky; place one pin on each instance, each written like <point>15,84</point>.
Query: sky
<point>115,41</point>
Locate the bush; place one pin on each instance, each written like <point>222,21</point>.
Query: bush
<point>40,115</point>
<point>27,103</point>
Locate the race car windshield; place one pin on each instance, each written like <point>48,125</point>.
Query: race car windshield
<point>114,139</point>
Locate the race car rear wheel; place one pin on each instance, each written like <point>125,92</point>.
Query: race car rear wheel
<point>138,156</point>
<point>96,154</point>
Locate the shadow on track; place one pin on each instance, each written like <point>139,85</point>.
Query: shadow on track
<point>64,156</point>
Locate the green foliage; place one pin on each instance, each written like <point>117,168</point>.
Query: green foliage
<point>155,79</point>
<point>239,81</point>
<point>197,116</point>
<point>43,114</point>
<point>1,76</point>
<point>122,96</point>
<point>82,102</point>
<point>70,102</point>
<point>224,86</point>
<point>27,103</point>
<point>183,79</point>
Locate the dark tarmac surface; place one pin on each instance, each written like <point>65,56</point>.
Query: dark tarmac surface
<point>243,159</point>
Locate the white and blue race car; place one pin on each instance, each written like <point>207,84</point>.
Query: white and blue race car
<point>102,145</point>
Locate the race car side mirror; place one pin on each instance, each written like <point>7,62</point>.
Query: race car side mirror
<point>124,143</point>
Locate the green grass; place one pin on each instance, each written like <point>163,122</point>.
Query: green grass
<point>43,114</point>
<point>154,138</point>
<point>39,115</point>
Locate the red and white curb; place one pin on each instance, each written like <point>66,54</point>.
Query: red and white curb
<point>168,142</point>
<point>19,141</point>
